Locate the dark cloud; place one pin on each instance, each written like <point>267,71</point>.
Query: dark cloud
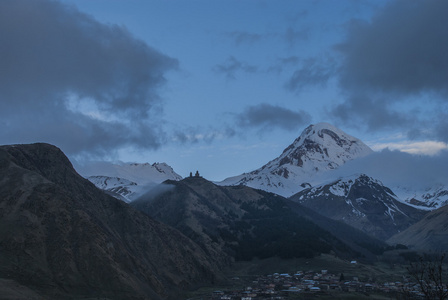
<point>266,116</point>
<point>53,56</point>
<point>312,72</point>
<point>78,134</point>
<point>403,50</point>
<point>401,54</point>
<point>232,65</point>
<point>375,113</point>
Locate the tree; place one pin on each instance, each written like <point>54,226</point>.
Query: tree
<point>429,275</point>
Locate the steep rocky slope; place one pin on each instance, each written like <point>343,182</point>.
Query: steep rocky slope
<point>61,237</point>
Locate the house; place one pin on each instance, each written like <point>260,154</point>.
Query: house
<point>217,294</point>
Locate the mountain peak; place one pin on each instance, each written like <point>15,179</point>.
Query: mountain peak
<point>320,126</point>
<point>322,146</point>
<point>318,131</point>
<point>319,148</point>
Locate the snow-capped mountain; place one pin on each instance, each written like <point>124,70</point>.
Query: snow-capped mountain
<point>120,188</point>
<point>319,148</point>
<point>362,202</point>
<point>128,181</point>
<point>427,199</point>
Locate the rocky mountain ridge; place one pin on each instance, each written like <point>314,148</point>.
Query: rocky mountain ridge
<point>362,202</point>
<point>319,150</point>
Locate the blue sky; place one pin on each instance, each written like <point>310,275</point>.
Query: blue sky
<point>221,86</point>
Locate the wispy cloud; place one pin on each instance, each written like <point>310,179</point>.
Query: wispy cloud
<point>232,66</point>
<point>243,37</point>
<point>195,135</point>
<point>312,72</point>
<point>284,63</point>
<point>291,36</point>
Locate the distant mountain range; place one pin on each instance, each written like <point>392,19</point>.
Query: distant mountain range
<point>358,200</point>
<point>320,148</point>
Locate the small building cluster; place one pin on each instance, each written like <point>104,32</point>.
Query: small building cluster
<point>286,286</point>
<point>195,175</point>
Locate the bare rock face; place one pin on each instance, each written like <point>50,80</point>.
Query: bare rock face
<point>60,237</point>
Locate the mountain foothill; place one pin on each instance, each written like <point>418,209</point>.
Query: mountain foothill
<point>140,231</point>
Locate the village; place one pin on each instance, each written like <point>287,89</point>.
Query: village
<point>308,285</point>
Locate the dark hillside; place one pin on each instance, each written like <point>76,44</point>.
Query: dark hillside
<point>238,222</point>
<point>63,238</point>
<point>429,234</point>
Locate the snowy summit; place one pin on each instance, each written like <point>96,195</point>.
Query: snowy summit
<point>320,147</point>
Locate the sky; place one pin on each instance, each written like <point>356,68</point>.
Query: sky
<point>222,86</point>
